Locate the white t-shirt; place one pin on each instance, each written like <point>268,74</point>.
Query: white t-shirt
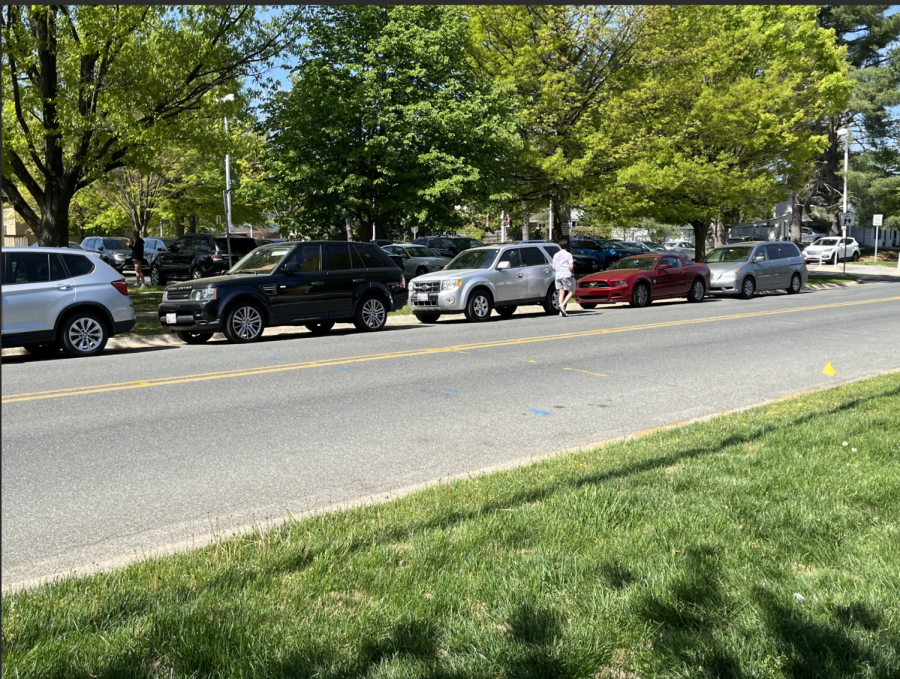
<point>563,262</point>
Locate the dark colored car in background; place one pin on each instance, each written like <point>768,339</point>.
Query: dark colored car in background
<point>448,246</point>
<point>605,252</point>
<point>114,250</point>
<point>197,255</point>
<point>316,284</point>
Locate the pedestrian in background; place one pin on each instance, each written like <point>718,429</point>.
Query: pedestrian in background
<point>564,266</point>
<point>137,255</point>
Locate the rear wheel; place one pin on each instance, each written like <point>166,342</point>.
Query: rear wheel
<point>196,273</point>
<point>506,311</point>
<point>193,337</point>
<point>698,291</point>
<point>421,271</point>
<point>641,295</point>
<point>244,323</point>
<point>855,257</point>
<point>42,350</point>
<point>371,314</point>
<point>479,305</point>
<point>320,328</point>
<point>748,287</point>
<point>551,301</point>
<point>83,334</point>
<point>795,285</point>
<point>156,277</point>
<point>586,305</point>
<point>427,317</point>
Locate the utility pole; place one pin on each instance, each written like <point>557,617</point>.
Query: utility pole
<point>550,226</point>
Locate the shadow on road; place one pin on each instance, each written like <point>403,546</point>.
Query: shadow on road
<point>28,358</point>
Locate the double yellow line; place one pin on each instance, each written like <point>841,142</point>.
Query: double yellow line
<point>247,372</point>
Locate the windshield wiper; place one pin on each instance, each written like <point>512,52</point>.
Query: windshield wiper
<point>234,273</point>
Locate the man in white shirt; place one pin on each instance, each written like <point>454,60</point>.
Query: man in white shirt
<point>564,266</point>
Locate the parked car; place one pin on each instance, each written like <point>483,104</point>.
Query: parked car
<point>198,255</point>
<point>315,283</point>
<point>808,235</point>
<point>59,298</point>
<point>72,244</point>
<point>583,264</point>
<point>743,268</point>
<point>448,246</point>
<point>381,242</point>
<point>605,252</point>
<point>113,250</point>
<point>832,249</point>
<point>479,280</point>
<point>645,247</point>
<point>267,241</point>
<point>680,247</point>
<point>642,279</point>
<point>417,259</point>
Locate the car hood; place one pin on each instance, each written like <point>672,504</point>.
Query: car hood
<point>715,267</point>
<point>617,275</point>
<point>441,275</point>
<point>434,260</point>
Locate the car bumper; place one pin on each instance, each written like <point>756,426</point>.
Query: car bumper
<point>400,299</point>
<point>602,295</point>
<point>446,300</point>
<point>190,316</point>
<point>120,327</point>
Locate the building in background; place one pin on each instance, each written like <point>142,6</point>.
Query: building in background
<point>15,232</point>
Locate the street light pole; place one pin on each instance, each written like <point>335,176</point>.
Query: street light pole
<point>227,97</point>
<point>845,131</point>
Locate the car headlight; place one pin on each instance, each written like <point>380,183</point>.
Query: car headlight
<point>203,295</point>
<point>118,255</point>
<point>451,285</point>
<point>619,284</point>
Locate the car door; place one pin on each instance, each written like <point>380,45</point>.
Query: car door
<point>511,284</point>
<point>538,272</point>
<point>779,266</point>
<point>173,262</point>
<point>300,295</point>
<point>759,267</point>
<point>668,279</point>
<point>36,288</point>
<point>341,280</point>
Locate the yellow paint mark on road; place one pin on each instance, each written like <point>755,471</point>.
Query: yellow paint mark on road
<point>829,370</point>
<point>586,372</point>
<point>246,372</point>
<point>532,361</point>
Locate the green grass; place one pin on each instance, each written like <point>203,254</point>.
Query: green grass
<point>677,554</point>
<point>880,262</point>
<point>146,325</point>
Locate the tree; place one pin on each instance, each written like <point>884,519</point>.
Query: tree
<point>89,89</point>
<point>385,123</point>
<point>716,120</point>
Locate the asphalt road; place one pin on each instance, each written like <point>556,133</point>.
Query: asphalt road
<point>139,450</point>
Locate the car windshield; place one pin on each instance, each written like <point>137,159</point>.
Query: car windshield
<point>421,252</point>
<point>729,255</point>
<point>262,259</point>
<point>115,243</point>
<point>826,241</point>
<point>239,246</point>
<point>642,263</point>
<point>473,259</point>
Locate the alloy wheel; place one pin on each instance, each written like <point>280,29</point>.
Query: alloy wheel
<point>85,334</point>
<point>246,322</point>
<point>373,313</point>
<point>480,306</point>
<point>641,295</point>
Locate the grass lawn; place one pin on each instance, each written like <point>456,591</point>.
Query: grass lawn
<point>761,544</point>
<point>830,278</point>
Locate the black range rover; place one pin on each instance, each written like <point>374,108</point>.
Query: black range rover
<point>316,284</point>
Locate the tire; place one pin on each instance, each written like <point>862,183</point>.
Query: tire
<point>855,257</point>
<point>244,323</point>
<point>698,291</point>
<point>427,316</point>
<point>641,296</point>
<point>479,306</point>
<point>834,259</point>
<point>193,337</point>
<point>371,314</point>
<point>421,271</point>
<point>506,311</point>
<point>83,334</point>
<point>42,350</point>
<point>156,277</point>
<point>196,274</point>
<point>551,301</point>
<point>585,305</point>
<point>320,328</point>
<point>796,284</point>
<point>748,287</point>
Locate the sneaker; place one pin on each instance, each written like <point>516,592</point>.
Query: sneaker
<point>562,312</point>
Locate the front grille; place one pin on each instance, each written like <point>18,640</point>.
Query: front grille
<point>428,286</point>
<point>173,295</point>
<point>594,284</point>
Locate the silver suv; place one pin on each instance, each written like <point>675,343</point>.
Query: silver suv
<point>60,298</point>
<point>478,280</point>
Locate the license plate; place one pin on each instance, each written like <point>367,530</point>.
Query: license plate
<point>170,319</point>
<point>422,297</point>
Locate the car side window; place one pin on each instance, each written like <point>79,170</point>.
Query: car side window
<point>672,262</point>
<point>514,257</point>
<point>552,249</point>
<point>775,251</point>
<point>338,257</point>
<point>205,245</point>
<point>759,251</point>
<point>308,258</point>
<point>792,250</point>
<point>374,257</point>
<point>78,265</point>
<point>28,267</point>
<point>534,257</point>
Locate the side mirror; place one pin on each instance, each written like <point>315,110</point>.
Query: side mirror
<point>290,268</point>
<point>759,258</point>
<point>99,248</point>
<point>503,265</point>
<point>663,267</point>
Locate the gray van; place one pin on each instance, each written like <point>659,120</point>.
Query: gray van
<point>743,268</point>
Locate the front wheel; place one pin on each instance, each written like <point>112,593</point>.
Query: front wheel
<point>244,323</point>
<point>371,314</point>
<point>479,306</point>
<point>855,257</point>
<point>320,328</point>
<point>156,277</point>
<point>196,274</point>
<point>748,287</point>
<point>551,302</point>
<point>83,334</point>
<point>794,287</point>
<point>427,316</point>
<point>506,311</point>
<point>698,291</point>
<point>193,337</point>
<point>641,296</point>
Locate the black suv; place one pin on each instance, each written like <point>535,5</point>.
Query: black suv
<point>448,246</point>
<point>316,284</point>
<point>197,255</point>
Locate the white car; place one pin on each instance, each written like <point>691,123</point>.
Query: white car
<point>61,298</point>
<point>680,247</point>
<point>832,249</point>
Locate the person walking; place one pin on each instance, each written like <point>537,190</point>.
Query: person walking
<point>564,266</point>
<point>137,255</point>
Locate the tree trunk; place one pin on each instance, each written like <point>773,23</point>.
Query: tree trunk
<point>701,230</point>
<point>192,224</point>
<point>720,236</point>
<point>53,228</point>
<point>526,219</point>
<point>796,217</point>
<point>179,225</point>
<point>348,225</point>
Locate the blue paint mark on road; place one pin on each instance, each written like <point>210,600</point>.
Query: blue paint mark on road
<point>538,412</point>
<point>215,351</point>
<point>337,367</point>
<point>451,391</point>
<point>274,358</point>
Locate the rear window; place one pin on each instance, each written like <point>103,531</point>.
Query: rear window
<point>374,257</point>
<point>239,246</point>
<point>115,243</point>
<point>338,257</point>
<point>78,265</point>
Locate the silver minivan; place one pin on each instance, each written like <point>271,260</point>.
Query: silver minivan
<point>57,298</point>
<point>743,268</point>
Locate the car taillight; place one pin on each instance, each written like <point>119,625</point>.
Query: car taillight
<point>120,286</point>
<point>402,281</point>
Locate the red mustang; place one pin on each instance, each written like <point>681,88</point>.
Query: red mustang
<point>642,279</point>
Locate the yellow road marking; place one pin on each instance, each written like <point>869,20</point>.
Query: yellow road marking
<point>586,372</point>
<point>245,372</point>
